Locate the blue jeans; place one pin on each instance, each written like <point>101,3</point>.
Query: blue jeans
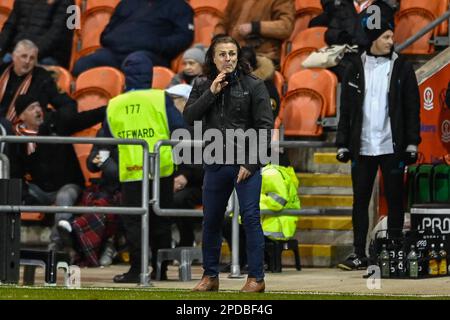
<point>67,195</point>
<point>217,187</point>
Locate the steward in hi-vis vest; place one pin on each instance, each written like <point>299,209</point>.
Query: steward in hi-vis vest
<point>140,114</point>
<point>278,192</point>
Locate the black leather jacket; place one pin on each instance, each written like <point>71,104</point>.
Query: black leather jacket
<point>243,104</point>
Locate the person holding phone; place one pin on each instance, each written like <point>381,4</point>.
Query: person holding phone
<point>229,98</point>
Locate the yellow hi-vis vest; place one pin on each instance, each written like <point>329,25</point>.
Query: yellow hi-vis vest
<point>139,114</point>
<point>278,192</point>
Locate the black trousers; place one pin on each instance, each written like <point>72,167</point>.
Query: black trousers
<point>159,227</point>
<point>364,170</point>
<point>187,198</point>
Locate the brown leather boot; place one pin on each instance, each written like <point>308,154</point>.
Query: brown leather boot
<point>252,286</point>
<point>207,284</point>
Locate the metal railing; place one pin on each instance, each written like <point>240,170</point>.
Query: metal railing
<point>423,31</point>
<point>235,268</point>
<point>143,210</point>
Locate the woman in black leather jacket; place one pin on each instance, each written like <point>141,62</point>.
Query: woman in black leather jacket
<point>228,99</point>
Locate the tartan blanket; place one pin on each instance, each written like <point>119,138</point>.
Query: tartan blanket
<point>92,230</point>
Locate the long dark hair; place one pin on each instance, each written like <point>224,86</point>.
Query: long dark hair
<point>210,69</point>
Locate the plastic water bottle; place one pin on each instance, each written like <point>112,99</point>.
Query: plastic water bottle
<point>412,259</point>
<point>393,260</point>
<point>401,266</point>
<point>433,264</point>
<point>384,262</point>
<point>443,260</point>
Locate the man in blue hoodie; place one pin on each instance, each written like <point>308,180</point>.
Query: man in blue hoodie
<point>163,28</point>
<point>150,106</point>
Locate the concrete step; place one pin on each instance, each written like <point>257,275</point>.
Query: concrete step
<point>326,158</point>
<point>326,230</point>
<point>323,200</point>
<point>328,237</point>
<point>325,223</point>
<point>303,161</point>
<point>325,190</point>
<point>324,180</point>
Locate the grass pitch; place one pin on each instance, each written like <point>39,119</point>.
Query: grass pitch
<point>60,293</point>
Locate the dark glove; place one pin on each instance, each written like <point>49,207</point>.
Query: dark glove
<point>343,156</point>
<point>410,157</point>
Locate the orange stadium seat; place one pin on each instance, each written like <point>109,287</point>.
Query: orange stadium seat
<point>206,16</point>
<point>443,27</point>
<point>278,80</point>
<point>161,77</point>
<point>91,4</point>
<point>32,216</point>
<point>63,78</point>
<point>5,8</point>
<point>302,45</point>
<point>311,96</point>
<point>94,88</point>
<point>93,22</point>
<point>217,4</point>
<point>413,16</point>
<point>305,11</point>
<point>177,64</point>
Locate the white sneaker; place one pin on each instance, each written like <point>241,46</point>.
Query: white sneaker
<point>64,224</point>
<point>108,254</point>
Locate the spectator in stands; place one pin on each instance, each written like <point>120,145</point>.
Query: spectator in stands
<point>23,76</point>
<point>188,181</point>
<point>95,233</point>
<point>263,24</point>
<point>379,127</point>
<point>230,98</point>
<point>264,69</point>
<point>193,60</point>
<point>155,110</point>
<point>51,172</point>
<point>162,28</point>
<point>44,23</point>
<point>347,17</point>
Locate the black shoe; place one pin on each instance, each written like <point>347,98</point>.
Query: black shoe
<point>163,275</point>
<point>127,278</point>
<point>354,262</point>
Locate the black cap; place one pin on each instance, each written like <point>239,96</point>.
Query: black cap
<point>23,101</point>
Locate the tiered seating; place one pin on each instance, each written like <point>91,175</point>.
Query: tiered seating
<point>207,14</point>
<point>90,4</point>
<point>94,88</point>
<point>161,77</point>
<point>5,8</point>
<point>305,11</point>
<point>415,15</point>
<point>306,42</point>
<point>64,79</point>
<point>311,96</point>
<point>93,21</point>
<point>279,82</point>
